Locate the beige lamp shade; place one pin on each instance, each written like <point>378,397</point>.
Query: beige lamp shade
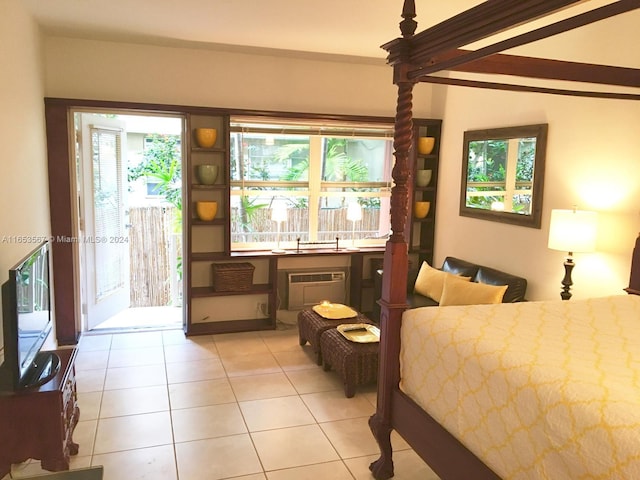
<point>573,230</point>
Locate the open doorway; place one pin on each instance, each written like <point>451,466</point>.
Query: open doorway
<point>129,187</point>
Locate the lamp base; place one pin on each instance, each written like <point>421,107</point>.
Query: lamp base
<point>566,281</point>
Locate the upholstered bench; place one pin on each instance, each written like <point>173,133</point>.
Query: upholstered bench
<point>311,325</point>
<point>356,363</point>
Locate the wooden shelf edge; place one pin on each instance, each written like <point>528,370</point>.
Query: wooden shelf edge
<point>209,150</point>
<point>256,289</point>
<point>215,186</point>
<point>208,256</point>
<point>204,223</point>
<point>420,250</point>
<point>230,326</point>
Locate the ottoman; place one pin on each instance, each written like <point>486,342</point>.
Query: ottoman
<point>357,363</point>
<point>311,325</point>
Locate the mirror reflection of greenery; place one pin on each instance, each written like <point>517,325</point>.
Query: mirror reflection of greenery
<point>487,164</point>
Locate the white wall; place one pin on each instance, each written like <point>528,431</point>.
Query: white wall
<point>593,161</point>
<point>24,202</point>
<point>187,76</point>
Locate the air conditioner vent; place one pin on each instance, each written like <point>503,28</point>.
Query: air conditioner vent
<point>310,288</point>
<point>311,277</point>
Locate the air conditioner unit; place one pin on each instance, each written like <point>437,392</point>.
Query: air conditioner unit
<point>310,288</point>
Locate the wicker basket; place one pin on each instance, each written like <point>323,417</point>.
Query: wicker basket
<point>232,277</point>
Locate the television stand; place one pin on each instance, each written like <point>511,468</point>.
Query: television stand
<point>38,422</point>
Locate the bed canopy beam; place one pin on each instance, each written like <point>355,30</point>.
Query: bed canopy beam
<point>424,53</point>
<point>479,22</point>
<point>543,68</point>
<point>607,11</point>
<point>526,88</point>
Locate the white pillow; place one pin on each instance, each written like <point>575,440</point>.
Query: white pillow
<point>430,281</point>
<point>457,292</point>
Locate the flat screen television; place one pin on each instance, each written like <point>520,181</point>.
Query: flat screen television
<point>27,322</point>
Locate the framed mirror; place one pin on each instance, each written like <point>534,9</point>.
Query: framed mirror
<point>503,174</point>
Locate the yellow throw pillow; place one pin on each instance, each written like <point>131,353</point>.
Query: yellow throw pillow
<point>457,292</point>
<point>430,281</point>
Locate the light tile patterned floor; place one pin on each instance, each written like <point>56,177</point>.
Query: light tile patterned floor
<point>248,406</point>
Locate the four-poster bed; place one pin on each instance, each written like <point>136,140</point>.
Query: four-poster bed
<point>414,58</point>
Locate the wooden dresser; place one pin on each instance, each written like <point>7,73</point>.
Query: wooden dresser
<point>38,422</point>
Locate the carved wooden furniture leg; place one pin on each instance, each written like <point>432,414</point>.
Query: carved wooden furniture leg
<point>382,468</point>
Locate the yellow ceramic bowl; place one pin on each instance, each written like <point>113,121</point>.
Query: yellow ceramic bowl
<point>206,210</point>
<point>206,137</point>
<point>421,209</point>
<point>425,145</point>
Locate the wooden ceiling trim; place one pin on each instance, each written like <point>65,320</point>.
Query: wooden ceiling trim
<point>526,88</point>
<point>607,11</point>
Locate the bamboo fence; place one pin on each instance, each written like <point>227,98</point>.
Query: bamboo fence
<point>153,251</point>
<point>331,222</point>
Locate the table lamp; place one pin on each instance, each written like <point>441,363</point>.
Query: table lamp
<point>354,213</point>
<point>278,215</point>
<point>572,231</point>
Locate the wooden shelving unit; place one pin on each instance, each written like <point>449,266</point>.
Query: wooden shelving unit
<point>422,230</point>
<point>207,242</point>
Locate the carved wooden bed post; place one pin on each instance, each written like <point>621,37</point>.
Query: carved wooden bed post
<point>394,280</point>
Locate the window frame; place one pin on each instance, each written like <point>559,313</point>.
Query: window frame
<point>315,189</point>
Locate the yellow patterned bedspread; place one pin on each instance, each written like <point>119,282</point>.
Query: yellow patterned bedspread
<point>537,390</point>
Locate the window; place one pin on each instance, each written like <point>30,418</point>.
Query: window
<point>293,181</point>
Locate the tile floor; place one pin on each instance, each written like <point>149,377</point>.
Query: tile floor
<point>143,317</point>
<point>247,406</point>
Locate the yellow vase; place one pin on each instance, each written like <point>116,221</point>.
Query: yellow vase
<point>206,137</point>
<point>425,145</point>
<point>421,209</point>
<point>206,211</point>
